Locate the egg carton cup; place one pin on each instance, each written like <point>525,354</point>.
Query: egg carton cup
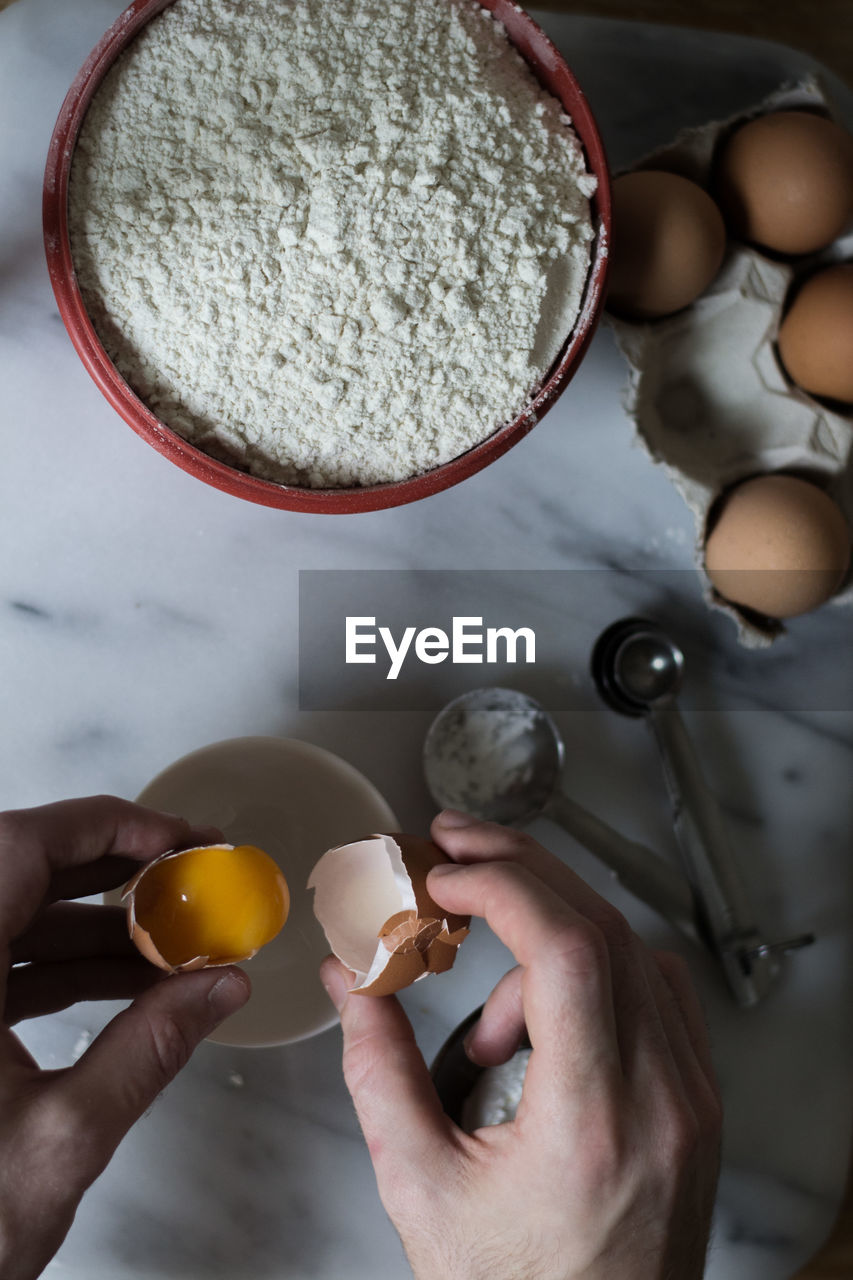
<point>706,392</point>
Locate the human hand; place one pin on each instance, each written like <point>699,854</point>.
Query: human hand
<point>609,1170</point>
<point>59,1129</point>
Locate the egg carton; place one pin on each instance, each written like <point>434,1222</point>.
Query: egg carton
<point>706,392</point>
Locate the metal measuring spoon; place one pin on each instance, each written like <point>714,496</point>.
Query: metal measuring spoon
<point>497,754</point>
<point>639,672</point>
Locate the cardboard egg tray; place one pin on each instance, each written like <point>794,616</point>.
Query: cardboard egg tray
<point>706,392</point>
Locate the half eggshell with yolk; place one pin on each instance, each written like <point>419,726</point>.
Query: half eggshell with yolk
<point>207,906</point>
<point>371,900</point>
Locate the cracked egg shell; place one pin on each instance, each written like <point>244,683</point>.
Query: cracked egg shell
<point>371,900</point>
<point>204,907</point>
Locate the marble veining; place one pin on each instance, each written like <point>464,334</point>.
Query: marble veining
<point>143,614</point>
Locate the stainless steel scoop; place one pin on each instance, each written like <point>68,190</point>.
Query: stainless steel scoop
<point>497,754</point>
<point>639,670</point>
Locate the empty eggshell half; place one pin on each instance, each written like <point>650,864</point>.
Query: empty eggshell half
<point>204,907</point>
<point>371,900</point>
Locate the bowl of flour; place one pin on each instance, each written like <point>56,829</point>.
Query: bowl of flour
<point>328,257</point>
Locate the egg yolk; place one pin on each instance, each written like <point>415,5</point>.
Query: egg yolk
<point>215,902</point>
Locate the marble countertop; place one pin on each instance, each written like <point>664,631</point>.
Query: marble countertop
<point>143,614</point>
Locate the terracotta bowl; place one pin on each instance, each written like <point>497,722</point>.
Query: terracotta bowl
<point>551,70</point>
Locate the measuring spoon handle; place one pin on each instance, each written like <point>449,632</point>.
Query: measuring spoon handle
<point>709,863</point>
<point>644,873</point>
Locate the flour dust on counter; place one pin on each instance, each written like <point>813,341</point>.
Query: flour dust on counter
<point>331,244</point>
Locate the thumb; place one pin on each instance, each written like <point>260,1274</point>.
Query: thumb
<point>140,1052</point>
<point>398,1109</point>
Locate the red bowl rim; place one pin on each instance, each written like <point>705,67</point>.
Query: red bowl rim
<point>543,57</point>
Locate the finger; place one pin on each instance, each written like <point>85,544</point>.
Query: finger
<point>642,1041</point>
<point>566,985</point>
<point>686,1010</point>
<point>33,990</point>
<point>398,1109</point>
<point>37,843</point>
<point>113,871</point>
<point>500,1028</point>
<point>467,840</point>
<point>643,1008</point>
<point>13,1058</point>
<point>684,1024</point>
<point>72,931</point>
<point>109,872</point>
<point>137,1055</point>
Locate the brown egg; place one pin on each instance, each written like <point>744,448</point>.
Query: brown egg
<point>668,244</point>
<point>785,181</point>
<point>372,902</point>
<point>780,545</point>
<point>816,335</point>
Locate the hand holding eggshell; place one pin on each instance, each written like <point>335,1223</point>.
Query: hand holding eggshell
<point>59,1129</point>
<point>620,1062</point>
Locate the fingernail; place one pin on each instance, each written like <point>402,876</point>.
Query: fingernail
<point>444,868</point>
<point>336,987</point>
<point>229,994</point>
<point>455,818</point>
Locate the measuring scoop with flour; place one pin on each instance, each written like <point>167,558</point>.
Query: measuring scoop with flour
<point>497,754</point>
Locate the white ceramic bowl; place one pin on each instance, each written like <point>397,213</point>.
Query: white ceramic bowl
<point>295,801</point>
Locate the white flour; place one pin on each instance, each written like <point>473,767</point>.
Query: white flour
<point>332,242</point>
<point>497,1093</point>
